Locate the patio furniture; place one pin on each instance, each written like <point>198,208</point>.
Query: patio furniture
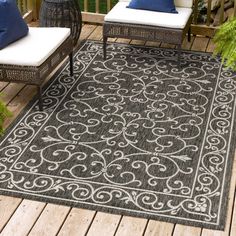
<point>62,13</point>
<point>31,59</point>
<point>123,22</point>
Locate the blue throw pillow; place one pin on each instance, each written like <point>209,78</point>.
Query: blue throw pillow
<point>154,5</point>
<point>12,25</point>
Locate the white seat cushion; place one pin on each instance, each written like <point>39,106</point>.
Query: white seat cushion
<point>120,13</point>
<point>35,48</point>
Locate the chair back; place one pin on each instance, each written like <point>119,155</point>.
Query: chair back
<point>178,3</point>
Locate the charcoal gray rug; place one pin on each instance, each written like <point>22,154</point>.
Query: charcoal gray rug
<point>134,135</point>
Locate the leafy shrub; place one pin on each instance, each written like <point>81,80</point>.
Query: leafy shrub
<point>225,40</point>
<point>4,113</point>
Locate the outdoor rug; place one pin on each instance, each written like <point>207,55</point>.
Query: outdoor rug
<point>134,135</point>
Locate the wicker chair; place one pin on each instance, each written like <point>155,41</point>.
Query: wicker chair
<point>31,59</point>
<point>129,23</point>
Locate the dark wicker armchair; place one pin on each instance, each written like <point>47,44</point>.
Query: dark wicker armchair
<point>31,59</point>
<point>129,23</point>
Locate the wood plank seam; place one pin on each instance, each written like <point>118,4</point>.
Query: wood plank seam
<point>64,220</point>
<point>37,219</point>
<point>13,212</point>
<point>60,227</point>
<point>91,223</point>
<point>4,86</point>
<point>145,228</point>
<point>118,225</point>
<point>15,96</point>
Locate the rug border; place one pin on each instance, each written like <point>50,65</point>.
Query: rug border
<point>45,199</point>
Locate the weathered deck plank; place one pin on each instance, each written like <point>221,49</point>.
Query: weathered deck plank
<point>8,205</point>
<point>120,40</point>
<point>182,230</point>
<point>158,228</point>
<point>200,44</point>
<point>3,85</point>
<point>186,45</point>
<point>10,91</point>
<point>86,31</point>
<point>17,104</point>
<point>77,223</point>
<point>96,34</point>
<point>137,42</point>
<point>131,226</point>
<point>47,224</point>
<point>104,224</point>
<point>233,220</point>
<point>23,219</point>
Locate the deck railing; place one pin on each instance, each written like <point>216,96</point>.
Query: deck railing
<point>28,9</point>
<point>23,6</point>
<point>95,10</point>
<point>225,11</point>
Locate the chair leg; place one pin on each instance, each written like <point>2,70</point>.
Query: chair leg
<point>104,47</point>
<point>179,54</point>
<point>71,64</point>
<point>189,34</point>
<point>40,98</point>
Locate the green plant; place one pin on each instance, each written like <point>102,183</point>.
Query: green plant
<point>4,113</point>
<point>225,41</point>
<point>92,5</point>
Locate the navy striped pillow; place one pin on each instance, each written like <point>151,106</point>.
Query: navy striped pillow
<point>154,5</point>
<point>12,26</point>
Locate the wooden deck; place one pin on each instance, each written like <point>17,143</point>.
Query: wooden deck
<point>24,217</point>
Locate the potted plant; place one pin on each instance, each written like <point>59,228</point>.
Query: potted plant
<point>4,113</point>
<point>225,41</point>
